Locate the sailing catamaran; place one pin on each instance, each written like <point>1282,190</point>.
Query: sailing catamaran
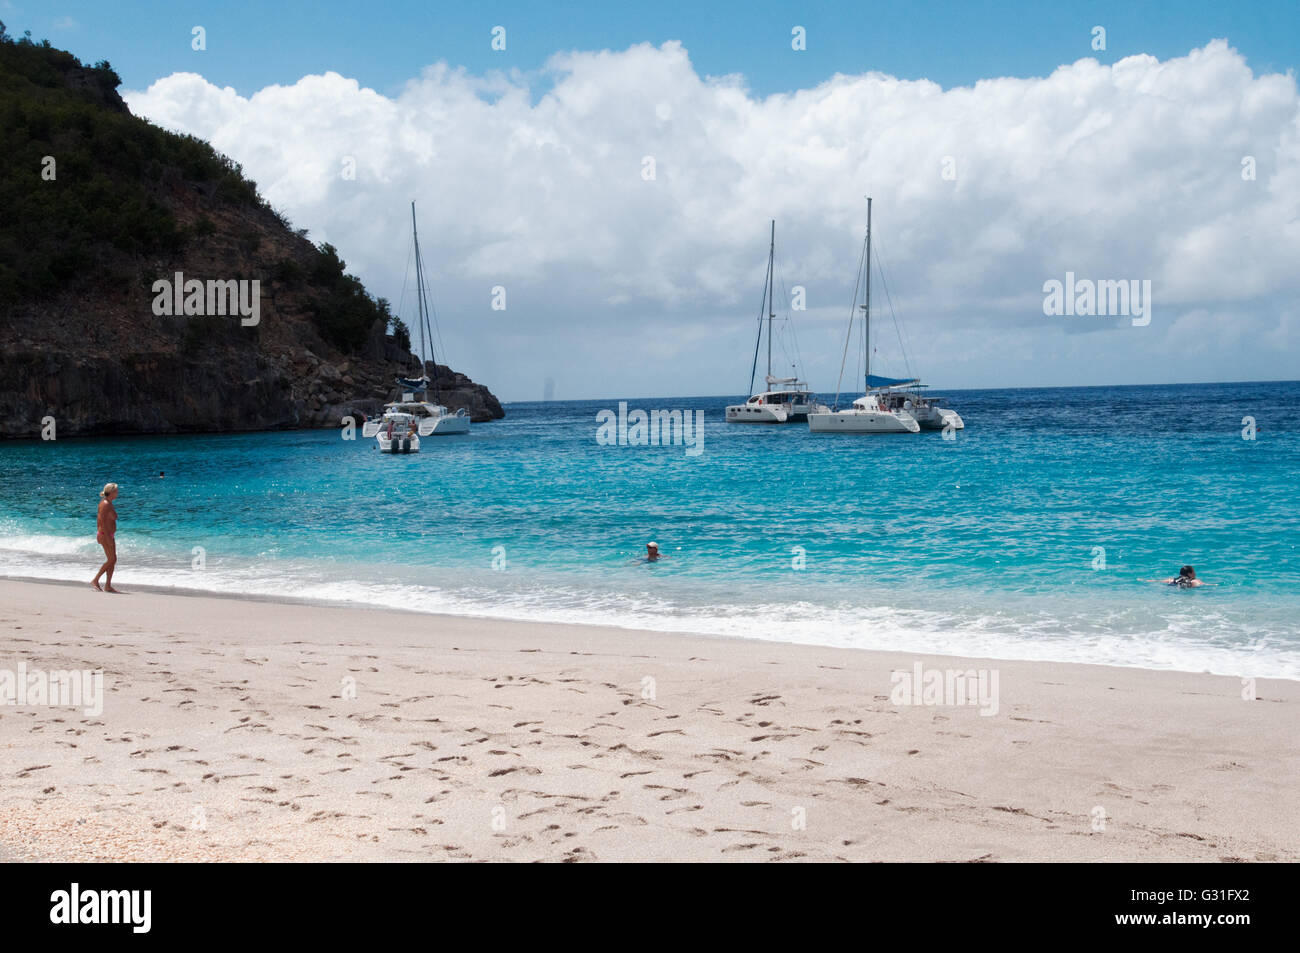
<point>411,416</point>
<point>870,413</point>
<point>928,411</point>
<point>787,399</point>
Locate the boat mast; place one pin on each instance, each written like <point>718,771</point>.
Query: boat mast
<point>765,305</point>
<point>771,304</point>
<point>419,285</point>
<point>422,298</point>
<point>866,308</point>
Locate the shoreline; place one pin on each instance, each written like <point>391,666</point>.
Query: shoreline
<point>288,600</point>
<point>235,729</point>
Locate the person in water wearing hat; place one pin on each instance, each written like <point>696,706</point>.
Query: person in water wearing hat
<point>651,552</point>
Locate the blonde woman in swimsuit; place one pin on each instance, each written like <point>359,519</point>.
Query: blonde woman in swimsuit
<point>106,530</point>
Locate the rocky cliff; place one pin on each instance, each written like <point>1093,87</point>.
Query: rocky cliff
<point>98,206</point>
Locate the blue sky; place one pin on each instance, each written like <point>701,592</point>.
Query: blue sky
<point>252,44</point>
<point>1036,156</point>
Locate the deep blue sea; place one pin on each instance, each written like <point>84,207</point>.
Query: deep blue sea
<point>987,545</point>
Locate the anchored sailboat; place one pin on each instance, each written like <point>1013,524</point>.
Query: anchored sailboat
<point>870,413</point>
<point>787,399</point>
<point>928,411</point>
<point>412,416</point>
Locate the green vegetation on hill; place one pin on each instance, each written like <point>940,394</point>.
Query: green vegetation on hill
<point>346,311</point>
<point>109,213</point>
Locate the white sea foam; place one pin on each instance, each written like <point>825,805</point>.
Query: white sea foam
<point>48,544</point>
<point>1184,641</point>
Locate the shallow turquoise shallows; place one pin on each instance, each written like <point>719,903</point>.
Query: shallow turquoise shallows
<point>1026,537</point>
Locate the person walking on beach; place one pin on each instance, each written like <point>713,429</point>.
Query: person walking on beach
<point>106,530</point>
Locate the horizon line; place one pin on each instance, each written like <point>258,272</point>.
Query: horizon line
<point>561,400</point>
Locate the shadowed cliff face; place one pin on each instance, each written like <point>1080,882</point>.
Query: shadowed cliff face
<point>123,205</point>
<point>142,392</point>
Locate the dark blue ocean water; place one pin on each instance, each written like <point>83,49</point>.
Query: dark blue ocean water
<point>1026,537</point>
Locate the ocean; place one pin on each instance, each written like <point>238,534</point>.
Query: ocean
<point>1027,537</point>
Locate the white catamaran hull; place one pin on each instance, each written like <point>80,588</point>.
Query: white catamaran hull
<point>938,418</point>
<point>863,421</point>
<point>757,414</point>
<point>446,426</point>
<point>429,420</point>
<point>762,409</point>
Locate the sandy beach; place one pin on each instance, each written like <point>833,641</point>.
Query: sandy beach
<point>251,730</point>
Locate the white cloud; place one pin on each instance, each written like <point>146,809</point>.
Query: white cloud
<point>623,286</point>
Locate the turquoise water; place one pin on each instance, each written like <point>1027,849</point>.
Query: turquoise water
<point>984,545</point>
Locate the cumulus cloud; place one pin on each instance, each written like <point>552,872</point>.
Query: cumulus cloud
<point>621,285</point>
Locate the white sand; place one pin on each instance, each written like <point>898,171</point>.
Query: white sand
<point>224,736</point>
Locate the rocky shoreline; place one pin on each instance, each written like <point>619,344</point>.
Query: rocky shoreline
<point>145,392</point>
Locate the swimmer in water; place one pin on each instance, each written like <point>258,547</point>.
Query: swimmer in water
<point>651,552</point>
<point>1186,579</point>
